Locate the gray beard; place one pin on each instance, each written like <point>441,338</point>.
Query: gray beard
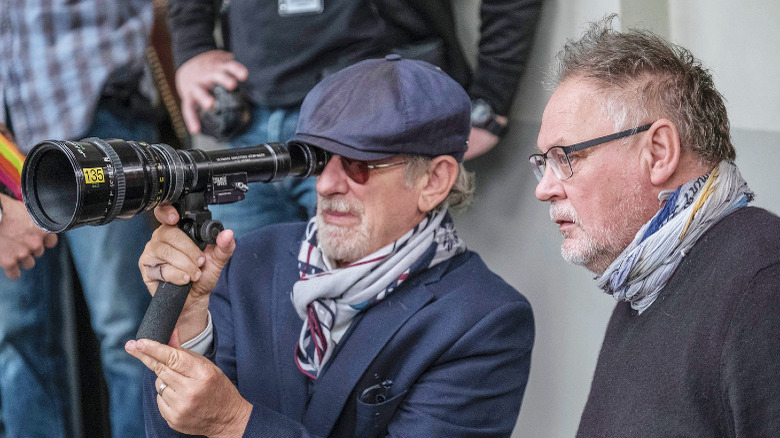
<point>597,252</point>
<point>588,254</point>
<point>343,245</point>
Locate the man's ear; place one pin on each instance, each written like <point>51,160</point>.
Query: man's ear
<point>662,154</point>
<point>437,182</point>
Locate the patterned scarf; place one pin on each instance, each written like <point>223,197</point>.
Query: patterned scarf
<point>643,268</point>
<point>328,299</point>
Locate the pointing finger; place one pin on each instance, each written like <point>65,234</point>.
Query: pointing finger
<point>170,364</point>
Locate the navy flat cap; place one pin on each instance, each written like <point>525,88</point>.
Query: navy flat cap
<point>383,107</point>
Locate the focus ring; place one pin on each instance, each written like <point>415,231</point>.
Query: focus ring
<point>175,172</point>
<point>119,176</point>
<point>154,196</point>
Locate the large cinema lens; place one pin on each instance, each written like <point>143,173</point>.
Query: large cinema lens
<point>67,184</point>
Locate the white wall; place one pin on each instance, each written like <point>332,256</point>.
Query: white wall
<point>739,42</point>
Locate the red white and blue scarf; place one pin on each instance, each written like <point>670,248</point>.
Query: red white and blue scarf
<point>327,299</point>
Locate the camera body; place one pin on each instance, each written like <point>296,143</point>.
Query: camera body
<point>228,117</point>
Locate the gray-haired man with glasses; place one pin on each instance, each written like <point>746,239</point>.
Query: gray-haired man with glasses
<point>659,213</point>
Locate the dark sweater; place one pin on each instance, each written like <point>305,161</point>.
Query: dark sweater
<point>704,359</point>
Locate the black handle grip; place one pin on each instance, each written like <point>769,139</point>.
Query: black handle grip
<point>163,312</point>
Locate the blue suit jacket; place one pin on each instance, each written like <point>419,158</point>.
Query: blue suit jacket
<point>455,341</point>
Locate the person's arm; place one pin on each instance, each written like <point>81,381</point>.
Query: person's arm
<point>21,241</point>
<point>751,359</point>
<point>192,24</point>
<point>474,389</point>
<point>199,63</point>
<point>506,37</point>
<point>173,257</point>
<point>196,388</point>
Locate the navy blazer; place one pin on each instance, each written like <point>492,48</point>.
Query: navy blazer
<point>447,354</point>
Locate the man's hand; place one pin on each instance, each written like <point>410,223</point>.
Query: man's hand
<point>482,140</point>
<point>198,398</point>
<point>21,241</point>
<point>196,77</point>
<point>173,257</point>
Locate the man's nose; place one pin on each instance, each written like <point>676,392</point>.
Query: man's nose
<point>550,187</point>
<point>333,179</point>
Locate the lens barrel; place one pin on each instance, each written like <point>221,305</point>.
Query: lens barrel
<point>67,184</point>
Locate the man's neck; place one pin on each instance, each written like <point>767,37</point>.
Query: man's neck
<point>691,166</point>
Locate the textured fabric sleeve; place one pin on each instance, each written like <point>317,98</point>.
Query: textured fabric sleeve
<point>476,387</point>
<point>751,359</point>
<point>219,319</point>
<point>222,319</point>
<point>267,423</point>
<point>192,24</point>
<point>506,37</point>
<point>263,421</point>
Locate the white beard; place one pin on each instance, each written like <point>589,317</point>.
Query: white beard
<point>339,243</point>
<point>597,248</point>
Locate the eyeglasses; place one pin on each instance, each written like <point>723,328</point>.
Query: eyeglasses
<point>558,156</point>
<point>359,171</point>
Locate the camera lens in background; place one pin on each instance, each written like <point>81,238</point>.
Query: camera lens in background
<point>67,184</point>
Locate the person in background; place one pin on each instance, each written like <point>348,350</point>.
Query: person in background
<point>71,70</point>
<point>645,191</point>
<point>277,50</point>
<point>370,320</point>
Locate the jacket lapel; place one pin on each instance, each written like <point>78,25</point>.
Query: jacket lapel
<point>292,385</point>
<point>374,329</point>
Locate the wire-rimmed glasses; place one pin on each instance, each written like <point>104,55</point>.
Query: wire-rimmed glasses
<point>558,156</point>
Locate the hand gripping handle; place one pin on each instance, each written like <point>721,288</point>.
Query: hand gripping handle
<point>163,312</point>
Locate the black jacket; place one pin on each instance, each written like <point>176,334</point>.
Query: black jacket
<point>288,55</point>
<point>506,36</point>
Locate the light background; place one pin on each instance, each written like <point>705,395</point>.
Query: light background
<point>739,42</point>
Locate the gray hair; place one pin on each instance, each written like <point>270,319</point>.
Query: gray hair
<point>460,195</point>
<point>641,77</point>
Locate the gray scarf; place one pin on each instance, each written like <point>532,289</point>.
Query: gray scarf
<point>643,268</point>
<point>328,299</point>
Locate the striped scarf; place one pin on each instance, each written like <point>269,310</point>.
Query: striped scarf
<point>643,268</point>
<point>328,299</point>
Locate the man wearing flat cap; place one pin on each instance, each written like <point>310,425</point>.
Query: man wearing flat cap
<point>372,319</point>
